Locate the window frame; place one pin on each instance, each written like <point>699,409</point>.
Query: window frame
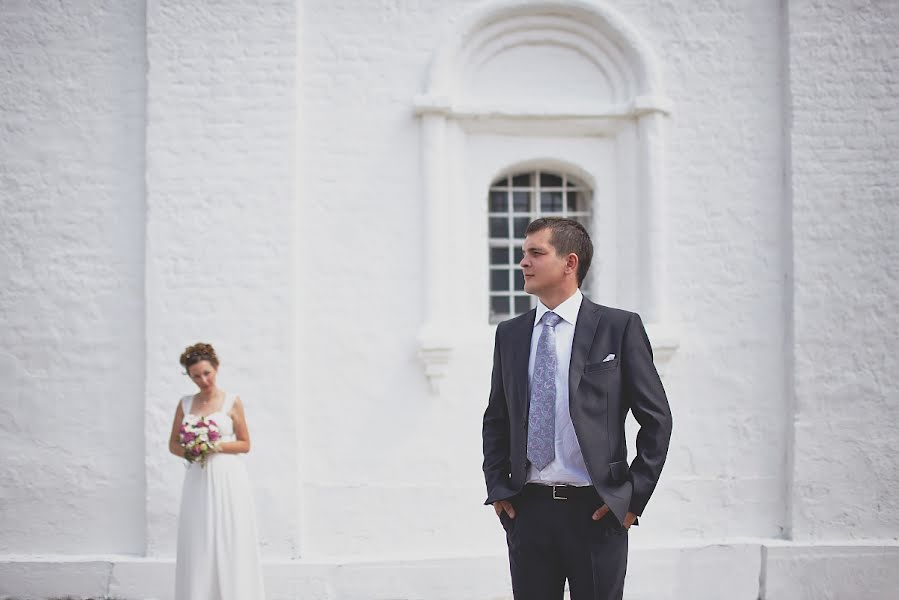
<point>510,183</point>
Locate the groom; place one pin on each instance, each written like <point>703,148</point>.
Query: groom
<point>555,459</point>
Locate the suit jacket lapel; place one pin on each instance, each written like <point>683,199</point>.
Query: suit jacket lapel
<point>520,343</point>
<point>584,332</point>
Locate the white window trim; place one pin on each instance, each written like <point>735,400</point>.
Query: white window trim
<point>445,113</point>
<point>534,211</point>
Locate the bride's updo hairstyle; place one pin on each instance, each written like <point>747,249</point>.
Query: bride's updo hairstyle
<point>199,351</point>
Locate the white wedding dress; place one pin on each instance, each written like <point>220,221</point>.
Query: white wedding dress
<point>218,552</point>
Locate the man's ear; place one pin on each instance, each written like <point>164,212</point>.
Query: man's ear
<point>572,262</point>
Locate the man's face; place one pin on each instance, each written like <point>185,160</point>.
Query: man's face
<point>544,269</point>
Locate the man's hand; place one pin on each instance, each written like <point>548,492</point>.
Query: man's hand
<point>629,518</point>
<point>504,506</point>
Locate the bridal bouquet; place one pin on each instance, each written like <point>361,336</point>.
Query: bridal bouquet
<point>198,437</point>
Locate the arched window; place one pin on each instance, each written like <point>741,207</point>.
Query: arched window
<point>514,201</point>
<point>591,104</point>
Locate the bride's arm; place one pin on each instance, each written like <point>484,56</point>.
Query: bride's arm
<point>242,443</point>
<point>174,439</point>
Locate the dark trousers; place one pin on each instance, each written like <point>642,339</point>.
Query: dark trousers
<point>552,540</point>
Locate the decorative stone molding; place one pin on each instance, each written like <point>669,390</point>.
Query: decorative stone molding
<point>471,89</point>
<point>664,340</point>
<point>435,355</point>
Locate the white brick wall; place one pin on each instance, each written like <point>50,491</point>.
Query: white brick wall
<point>71,262</point>
<point>725,383</point>
<point>385,453</point>
<point>844,79</point>
<point>157,191</point>
<point>220,195</point>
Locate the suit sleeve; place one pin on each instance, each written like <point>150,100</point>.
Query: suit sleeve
<point>648,403</point>
<point>497,463</point>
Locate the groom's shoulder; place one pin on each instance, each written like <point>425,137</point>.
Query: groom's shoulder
<point>618,314</point>
<point>522,320</point>
<point>613,314</point>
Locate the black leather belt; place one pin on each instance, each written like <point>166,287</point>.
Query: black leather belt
<point>561,492</point>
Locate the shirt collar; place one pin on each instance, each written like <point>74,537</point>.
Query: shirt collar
<point>568,310</point>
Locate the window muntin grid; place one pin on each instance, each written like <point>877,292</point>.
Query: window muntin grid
<point>513,202</point>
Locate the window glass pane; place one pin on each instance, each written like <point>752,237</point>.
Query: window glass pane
<point>522,180</point>
<point>551,201</point>
<point>522,304</point>
<point>519,226</point>
<point>499,305</point>
<point>550,180</point>
<point>499,256</point>
<point>575,201</point>
<point>521,201</point>
<point>519,280</point>
<point>499,227</point>
<point>499,201</point>
<point>499,280</point>
<point>513,201</point>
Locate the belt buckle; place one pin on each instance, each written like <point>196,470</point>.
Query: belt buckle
<point>556,496</point>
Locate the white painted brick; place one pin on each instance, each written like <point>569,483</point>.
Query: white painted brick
<point>831,572</point>
<point>845,156</point>
<point>72,98</point>
<point>151,169</point>
<point>42,578</point>
<point>220,192</point>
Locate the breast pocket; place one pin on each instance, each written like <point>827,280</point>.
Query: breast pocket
<point>601,366</point>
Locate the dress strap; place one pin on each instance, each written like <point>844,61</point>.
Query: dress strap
<point>228,404</point>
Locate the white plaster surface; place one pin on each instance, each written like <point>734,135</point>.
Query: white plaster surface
<point>725,382</point>
<point>55,578</point>
<point>155,191</point>
<point>845,197</point>
<point>220,190</point>
<point>72,98</point>
<point>742,569</point>
<point>654,573</point>
<point>829,572</point>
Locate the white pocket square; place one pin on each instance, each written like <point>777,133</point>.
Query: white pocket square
<point>608,358</point>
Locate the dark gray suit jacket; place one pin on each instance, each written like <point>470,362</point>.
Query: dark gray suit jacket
<point>600,395</point>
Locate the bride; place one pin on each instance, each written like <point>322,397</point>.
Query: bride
<point>218,555</point>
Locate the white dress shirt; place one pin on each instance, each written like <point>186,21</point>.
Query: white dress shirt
<point>568,465</point>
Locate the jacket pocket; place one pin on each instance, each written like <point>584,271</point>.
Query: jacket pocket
<point>601,366</point>
<point>620,471</point>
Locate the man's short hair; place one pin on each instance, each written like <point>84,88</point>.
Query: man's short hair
<point>567,237</point>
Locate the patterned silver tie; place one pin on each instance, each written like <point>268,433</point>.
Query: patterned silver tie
<point>542,411</point>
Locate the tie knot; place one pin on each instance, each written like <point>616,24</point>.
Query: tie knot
<point>551,319</point>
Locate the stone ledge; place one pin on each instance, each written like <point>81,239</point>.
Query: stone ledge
<point>751,569</point>
<point>828,572</point>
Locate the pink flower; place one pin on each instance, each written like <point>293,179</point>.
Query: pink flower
<point>213,435</point>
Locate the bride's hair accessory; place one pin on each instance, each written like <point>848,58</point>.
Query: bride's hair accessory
<point>199,351</point>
